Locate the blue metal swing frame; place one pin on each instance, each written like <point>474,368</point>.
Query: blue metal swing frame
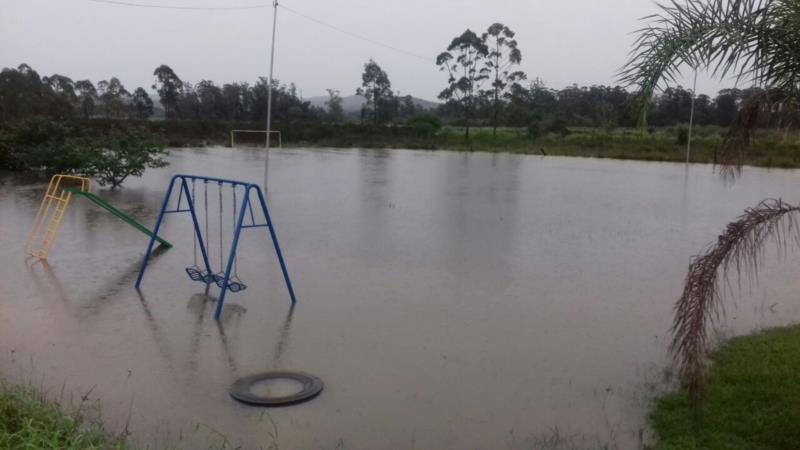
<point>246,204</point>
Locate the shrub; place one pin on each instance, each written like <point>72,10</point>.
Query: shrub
<point>124,153</point>
<point>111,153</point>
<point>42,144</point>
<point>681,134</point>
<point>559,127</point>
<point>425,124</point>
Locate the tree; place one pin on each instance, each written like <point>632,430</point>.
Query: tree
<point>142,104</point>
<point>114,97</point>
<point>503,55</point>
<point>407,107</point>
<point>124,153</point>
<point>210,97</point>
<point>376,88</point>
<point>21,93</point>
<point>169,88</point>
<point>59,95</point>
<point>757,40</point>
<point>334,104</point>
<point>235,100</point>
<point>188,103</point>
<point>463,63</point>
<point>87,97</point>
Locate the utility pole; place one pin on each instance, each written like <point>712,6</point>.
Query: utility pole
<point>269,90</point>
<point>691,119</point>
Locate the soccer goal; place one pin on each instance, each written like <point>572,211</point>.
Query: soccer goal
<point>254,137</point>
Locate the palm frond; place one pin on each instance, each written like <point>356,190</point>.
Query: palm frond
<point>740,249</point>
<point>755,41</point>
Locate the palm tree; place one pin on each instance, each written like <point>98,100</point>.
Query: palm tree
<point>755,41</point>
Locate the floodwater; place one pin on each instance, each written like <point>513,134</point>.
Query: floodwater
<point>447,300</point>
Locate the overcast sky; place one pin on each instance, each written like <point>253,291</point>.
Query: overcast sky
<point>562,41</point>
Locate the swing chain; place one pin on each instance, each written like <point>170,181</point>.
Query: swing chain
<point>194,235</point>
<point>221,246</point>
<point>236,256</point>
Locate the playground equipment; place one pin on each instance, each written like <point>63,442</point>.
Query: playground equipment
<point>272,132</point>
<point>226,279</point>
<point>242,390</point>
<point>54,204</point>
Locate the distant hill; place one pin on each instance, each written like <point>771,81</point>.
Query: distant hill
<point>353,103</point>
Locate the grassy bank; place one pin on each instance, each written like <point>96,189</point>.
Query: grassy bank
<point>771,148</point>
<point>752,398</point>
<point>28,420</point>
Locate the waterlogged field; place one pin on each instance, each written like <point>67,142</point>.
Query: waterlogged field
<point>447,300</point>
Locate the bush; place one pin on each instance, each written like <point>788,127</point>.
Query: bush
<point>535,129</point>
<point>681,134</point>
<point>559,127</point>
<point>110,153</point>
<point>124,153</point>
<point>42,144</point>
<point>425,124</point>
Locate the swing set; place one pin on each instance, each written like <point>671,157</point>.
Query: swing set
<point>226,279</point>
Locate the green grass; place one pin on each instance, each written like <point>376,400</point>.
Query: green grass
<point>752,398</point>
<point>29,421</point>
<point>771,148</point>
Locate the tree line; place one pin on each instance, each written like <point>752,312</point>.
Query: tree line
<point>483,89</point>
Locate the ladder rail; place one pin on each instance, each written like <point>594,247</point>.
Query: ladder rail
<point>44,210</point>
<point>51,211</point>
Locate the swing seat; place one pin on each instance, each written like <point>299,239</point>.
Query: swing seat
<point>234,284</point>
<point>217,278</point>
<point>195,274</point>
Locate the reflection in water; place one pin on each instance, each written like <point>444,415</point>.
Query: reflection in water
<point>160,339</point>
<point>98,298</point>
<point>31,263</point>
<point>283,338</point>
<point>201,305</point>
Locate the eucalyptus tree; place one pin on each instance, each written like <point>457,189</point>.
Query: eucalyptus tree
<point>114,97</point>
<point>235,100</point>
<point>334,105</point>
<point>212,105</point>
<point>87,97</point>
<point>757,41</point>
<point>169,88</point>
<point>502,57</point>
<point>377,89</point>
<point>463,61</point>
<point>60,95</point>
<point>142,104</point>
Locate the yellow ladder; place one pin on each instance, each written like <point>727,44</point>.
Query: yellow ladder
<point>51,211</point>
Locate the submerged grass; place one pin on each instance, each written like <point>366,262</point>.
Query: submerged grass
<point>29,420</point>
<point>751,401</point>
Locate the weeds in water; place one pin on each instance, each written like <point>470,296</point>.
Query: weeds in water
<point>558,439</point>
<point>29,420</point>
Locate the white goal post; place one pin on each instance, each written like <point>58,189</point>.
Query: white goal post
<point>273,132</point>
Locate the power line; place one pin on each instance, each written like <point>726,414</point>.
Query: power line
<point>194,8</point>
<point>265,5</point>
<point>354,35</point>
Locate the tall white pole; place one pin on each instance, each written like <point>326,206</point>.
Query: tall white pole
<point>269,89</point>
<point>691,119</point>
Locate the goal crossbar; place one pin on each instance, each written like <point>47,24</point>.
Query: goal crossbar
<point>280,143</point>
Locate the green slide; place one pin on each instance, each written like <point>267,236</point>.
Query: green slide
<point>126,218</point>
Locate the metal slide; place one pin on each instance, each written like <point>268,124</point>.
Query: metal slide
<point>124,217</point>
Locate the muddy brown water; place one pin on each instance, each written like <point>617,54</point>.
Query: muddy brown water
<point>447,300</point>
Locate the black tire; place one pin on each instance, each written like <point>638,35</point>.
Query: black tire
<point>241,390</point>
